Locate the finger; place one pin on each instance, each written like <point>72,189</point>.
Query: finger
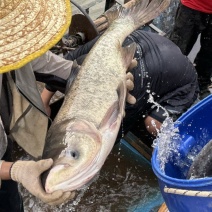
<point>48,198</point>
<point>129,76</point>
<point>130,85</point>
<point>133,64</point>
<point>65,198</point>
<point>45,164</point>
<point>131,99</point>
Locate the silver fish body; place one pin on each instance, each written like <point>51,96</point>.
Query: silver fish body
<point>202,164</point>
<point>85,129</point>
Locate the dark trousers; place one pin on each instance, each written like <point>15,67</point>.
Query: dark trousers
<point>10,199</point>
<point>189,24</point>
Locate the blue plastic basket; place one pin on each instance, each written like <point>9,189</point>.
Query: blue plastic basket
<point>195,128</point>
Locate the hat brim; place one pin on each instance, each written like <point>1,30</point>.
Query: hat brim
<point>29,28</point>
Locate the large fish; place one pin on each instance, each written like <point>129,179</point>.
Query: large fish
<point>202,164</point>
<point>85,129</point>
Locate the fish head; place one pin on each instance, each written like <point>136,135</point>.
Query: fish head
<point>82,144</point>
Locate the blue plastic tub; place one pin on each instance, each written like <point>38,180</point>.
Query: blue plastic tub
<point>195,128</point>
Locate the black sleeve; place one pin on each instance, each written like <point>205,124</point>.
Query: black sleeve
<point>82,50</point>
<point>53,83</point>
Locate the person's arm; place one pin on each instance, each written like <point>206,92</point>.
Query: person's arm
<point>5,170</point>
<point>56,69</point>
<point>46,96</point>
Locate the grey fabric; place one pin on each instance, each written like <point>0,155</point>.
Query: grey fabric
<point>53,64</point>
<point>29,123</point>
<point>1,76</point>
<point>26,83</point>
<point>3,140</point>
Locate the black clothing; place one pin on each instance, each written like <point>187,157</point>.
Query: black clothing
<point>10,198</point>
<point>162,71</point>
<point>189,23</point>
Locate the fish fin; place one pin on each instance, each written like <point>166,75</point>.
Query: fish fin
<point>122,90</point>
<point>116,111</point>
<point>144,11</point>
<point>73,75</point>
<point>112,13</point>
<point>128,53</point>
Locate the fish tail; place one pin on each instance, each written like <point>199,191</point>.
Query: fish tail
<point>140,11</point>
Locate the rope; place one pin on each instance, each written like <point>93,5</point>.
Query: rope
<point>188,192</point>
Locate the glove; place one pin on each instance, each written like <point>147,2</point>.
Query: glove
<point>129,82</point>
<point>28,174</point>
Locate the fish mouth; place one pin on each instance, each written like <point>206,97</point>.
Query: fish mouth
<point>79,178</point>
<point>66,165</point>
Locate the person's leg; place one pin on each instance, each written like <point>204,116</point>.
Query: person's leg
<point>203,59</point>
<point>185,31</point>
<point>10,199</point>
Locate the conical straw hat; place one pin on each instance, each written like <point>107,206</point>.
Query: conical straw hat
<point>28,28</point>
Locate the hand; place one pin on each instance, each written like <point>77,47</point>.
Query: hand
<point>130,82</point>
<point>28,174</point>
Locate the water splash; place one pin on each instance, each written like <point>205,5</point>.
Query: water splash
<point>167,142</point>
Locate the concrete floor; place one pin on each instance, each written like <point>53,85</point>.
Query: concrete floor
<point>96,7</point>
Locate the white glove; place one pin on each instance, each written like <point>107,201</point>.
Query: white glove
<point>28,174</point>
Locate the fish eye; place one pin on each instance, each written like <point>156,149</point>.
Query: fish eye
<point>73,154</point>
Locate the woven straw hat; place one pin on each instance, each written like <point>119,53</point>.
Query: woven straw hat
<point>28,28</point>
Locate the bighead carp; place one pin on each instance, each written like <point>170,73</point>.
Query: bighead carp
<point>85,129</point>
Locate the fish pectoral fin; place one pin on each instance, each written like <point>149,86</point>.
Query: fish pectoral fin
<point>128,53</point>
<point>74,72</point>
<point>116,111</point>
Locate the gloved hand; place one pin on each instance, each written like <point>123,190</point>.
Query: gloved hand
<point>28,174</point>
<point>129,82</point>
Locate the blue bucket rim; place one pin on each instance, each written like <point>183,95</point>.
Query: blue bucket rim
<point>181,182</point>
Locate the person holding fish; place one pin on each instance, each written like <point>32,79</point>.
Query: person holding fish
<point>92,114</point>
<point>28,30</point>
<point>85,129</point>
